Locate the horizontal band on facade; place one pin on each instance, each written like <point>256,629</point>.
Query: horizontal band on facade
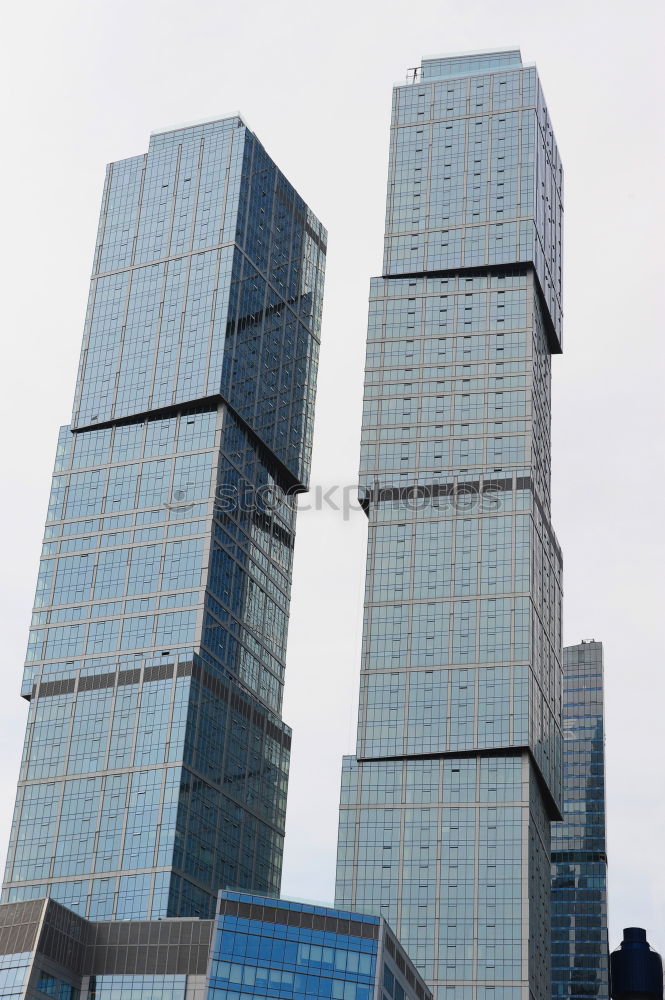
<point>165,671</point>
<point>298,918</point>
<point>417,492</point>
<point>578,857</point>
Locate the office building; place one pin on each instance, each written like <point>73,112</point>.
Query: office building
<point>268,948</point>
<point>580,946</point>
<point>155,763</point>
<point>446,806</point>
<point>256,947</point>
<point>47,950</point>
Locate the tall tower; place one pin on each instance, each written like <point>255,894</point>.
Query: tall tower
<point>446,807</point>
<point>580,946</point>
<point>155,763</point>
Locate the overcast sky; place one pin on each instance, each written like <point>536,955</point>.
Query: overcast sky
<point>84,83</point>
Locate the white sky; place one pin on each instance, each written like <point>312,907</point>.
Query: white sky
<point>84,83</point>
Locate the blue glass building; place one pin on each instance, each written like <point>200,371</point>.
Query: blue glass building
<point>446,807</point>
<point>580,947</point>
<point>256,947</point>
<point>156,759</point>
<point>268,948</point>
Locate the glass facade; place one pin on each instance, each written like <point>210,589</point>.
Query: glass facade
<point>71,958</point>
<point>257,946</point>
<point>580,947</point>
<point>13,975</point>
<point>271,947</point>
<point>446,807</point>
<point>157,987</point>
<point>155,762</point>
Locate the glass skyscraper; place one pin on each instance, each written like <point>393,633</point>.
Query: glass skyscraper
<point>156,759</point>
<point>446,807</point>
<point>580,946</point>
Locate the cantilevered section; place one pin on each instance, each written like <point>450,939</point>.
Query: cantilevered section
<point>156,758</point>
<point>475,178</point>
<point>446,807</point>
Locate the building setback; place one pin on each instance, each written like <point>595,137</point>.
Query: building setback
<point>580,946</point>
<point>446,807</point>
<point>155,763</point>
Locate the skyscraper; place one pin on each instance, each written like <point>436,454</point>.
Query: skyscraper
<point>156,759</point>
<point>446,807</point>
<point>580,946</point>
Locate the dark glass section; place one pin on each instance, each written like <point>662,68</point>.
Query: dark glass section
<point>271,347</point>
<point>579,861</point>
